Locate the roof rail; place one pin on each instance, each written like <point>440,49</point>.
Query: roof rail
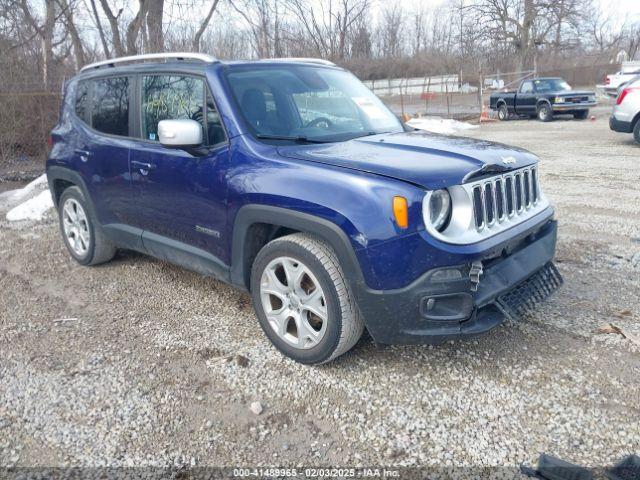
<point>203,57</point>
<point>301,60</point>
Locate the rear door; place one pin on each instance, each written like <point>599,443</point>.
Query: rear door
<point>102,152</point>
<point>526,98</point>
<point>180,198</point>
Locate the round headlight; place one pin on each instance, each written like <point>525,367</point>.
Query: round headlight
<point>439,209</point>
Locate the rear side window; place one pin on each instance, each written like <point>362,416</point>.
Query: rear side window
<point>82,100</point>
<point>110,109</point>
<point>527,87</point>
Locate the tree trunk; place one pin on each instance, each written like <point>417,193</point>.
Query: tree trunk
<point>103,39</point>
<point>154,24</point>
<point>78,47</point>
<point>203,26</point>
<point>115,30</point>
<point>133,30</point>
<point>47,42</point>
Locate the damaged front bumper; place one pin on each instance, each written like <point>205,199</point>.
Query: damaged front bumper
<point>465,300</point>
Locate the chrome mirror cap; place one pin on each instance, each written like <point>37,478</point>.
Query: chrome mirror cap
<point>180,133</point>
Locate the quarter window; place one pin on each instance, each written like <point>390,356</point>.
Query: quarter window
<point>110,112</point>
<point>82,100</point>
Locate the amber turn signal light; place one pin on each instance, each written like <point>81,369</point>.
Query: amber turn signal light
<point>401,211</point>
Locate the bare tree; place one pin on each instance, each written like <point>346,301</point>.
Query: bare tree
<point>45,32</point>
<point>67,10</point>
<point>155,10</point>
<point>203,26</point>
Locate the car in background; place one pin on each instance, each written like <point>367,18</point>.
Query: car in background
<point>626,112</point>
<point>613,82</point>
<point>543,98</point>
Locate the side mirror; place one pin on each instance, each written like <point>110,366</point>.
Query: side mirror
<point>182,133</point>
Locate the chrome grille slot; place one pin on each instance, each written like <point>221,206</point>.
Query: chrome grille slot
<point>510,191</point>
<point>505,198</point>
<point>499,191</point>
<point>534,184</point>
<point>478,208</point>
<point>489,204</point>
<point>518,192</point>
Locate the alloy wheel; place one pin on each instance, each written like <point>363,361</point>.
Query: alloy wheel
<point>294,302</point>
<point>76,227</point>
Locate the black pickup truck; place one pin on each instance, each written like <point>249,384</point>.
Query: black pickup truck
<point>543,98</point>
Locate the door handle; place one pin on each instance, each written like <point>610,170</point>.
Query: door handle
<point>84,154</point>
<point>142,166</point>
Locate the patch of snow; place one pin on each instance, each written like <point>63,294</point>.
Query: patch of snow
<point>14,196</point>
<point>32,209</point>
<point>445,126</point>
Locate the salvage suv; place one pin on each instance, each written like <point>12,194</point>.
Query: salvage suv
<point>290,179</point>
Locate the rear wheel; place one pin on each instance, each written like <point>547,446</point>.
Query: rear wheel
<point>636,131</point>
<point>302,300</point>
<point>81,233</point>
<point>545,114</point>
<point>503,112</point>
<point>581,115</point>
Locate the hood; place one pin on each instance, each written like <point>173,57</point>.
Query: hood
<point>422,158</point>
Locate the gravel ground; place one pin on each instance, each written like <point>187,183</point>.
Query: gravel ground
<point>138,362</point>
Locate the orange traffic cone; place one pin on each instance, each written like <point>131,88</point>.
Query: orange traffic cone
<point>484,115</point>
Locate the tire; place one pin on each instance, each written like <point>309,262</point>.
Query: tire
<point>636,131</point>
<point>503,112</point>
<point>92,246</point>
<point>545,114</point>
<point>282,308</point>
<point>581,115</point>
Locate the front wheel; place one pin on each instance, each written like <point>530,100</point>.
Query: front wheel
<point>581,115</point>
<point>545,114</point>
<point>302,300</point>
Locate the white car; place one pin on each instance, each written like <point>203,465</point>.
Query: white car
<point>626,112</point>
<point>613,82</point>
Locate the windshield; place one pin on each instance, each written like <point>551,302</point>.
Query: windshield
<point>304,102</point>
<point>551,85</point>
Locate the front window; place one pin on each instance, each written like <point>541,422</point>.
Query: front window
<point>552,85</point>
<point>171,97</point>
<point>303,101</point>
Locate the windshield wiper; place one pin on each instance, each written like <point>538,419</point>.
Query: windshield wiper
<point>298,138</point>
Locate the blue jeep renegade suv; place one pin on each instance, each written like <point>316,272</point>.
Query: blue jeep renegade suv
<point>290,179</point>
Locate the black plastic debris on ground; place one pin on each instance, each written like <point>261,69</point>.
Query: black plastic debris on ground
<point>525,296</point>
<point>552,468</point>
<point>627,469</point>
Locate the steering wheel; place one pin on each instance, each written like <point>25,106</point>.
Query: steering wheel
<point>317,121</point>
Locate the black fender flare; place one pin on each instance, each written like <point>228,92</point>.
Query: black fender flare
<point>328,231</point>
<point>62,173</point>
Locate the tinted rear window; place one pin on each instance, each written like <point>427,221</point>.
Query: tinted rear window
<point>110,112</point>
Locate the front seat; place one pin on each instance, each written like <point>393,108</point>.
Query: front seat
<point>254,107</point>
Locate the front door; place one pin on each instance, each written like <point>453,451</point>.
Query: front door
<point>526,98</point>
<point>180,198</point>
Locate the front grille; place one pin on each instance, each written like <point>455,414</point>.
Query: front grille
<point>505,197</point>
<point>526,295</point>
